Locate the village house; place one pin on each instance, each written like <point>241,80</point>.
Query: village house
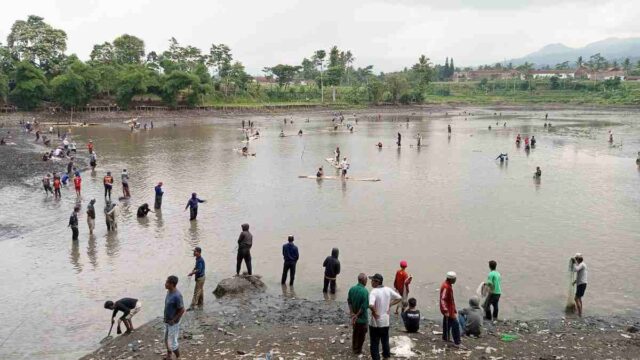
<point>607,75</point>
<point>560,74</point>
<point>476,75</point>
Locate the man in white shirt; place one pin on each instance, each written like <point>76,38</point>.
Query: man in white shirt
<point>344,165</point>
<point>381,299</point>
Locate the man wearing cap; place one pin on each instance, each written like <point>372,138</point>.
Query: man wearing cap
<point>448,310</point>
<point>381,299</point>
<point>358,300</point>
<point>580,268</point>
<point>290,255</point>
<point>198,271</point>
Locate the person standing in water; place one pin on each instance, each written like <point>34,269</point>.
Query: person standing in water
<point>399,142</point>
<point>77,184</point>
<point>91,216</point>
<point>143,210</point>
<point>245,242</point>
<point>337,153</point>
<point>320,172</point>
<point>419,137</point>
<point>73,223</point>
<point>110,215</point>
<point>125,184</point>
<point>580,268</point>
<point>198,271</point>
<point>331,271</point>
<point>57,183</point>
<point>159,192</point>
<point>46,184</point>
<point>344,166</point>
<point>93,160</point>
<point>538,173</point>
<point>290,255</point>
<point>449,129</point>
<point>192,204</point>
<point>108,185</point>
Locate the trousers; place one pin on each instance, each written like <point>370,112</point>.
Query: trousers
<point>450,326</point>
<point>289,267</point>
<point>358,337</point>
<point>329,284</point>
<point>198,293</point>
<point>379,335</point>
<point>492,300</point>
<point>243,254</point>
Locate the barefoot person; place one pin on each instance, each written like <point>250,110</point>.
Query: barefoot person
<point>450,325</point>
<point>91,216</point>
<point>245,242</point>
<point>580,268</point>
<point>173,311</point>
<point>198,271</point>
<point>290,256</point>
<point>192,204</point>
<point>129,307</point>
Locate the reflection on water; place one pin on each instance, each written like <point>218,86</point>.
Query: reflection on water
<point>449,206</point>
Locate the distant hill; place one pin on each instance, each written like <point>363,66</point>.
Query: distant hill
<point>611,49</point>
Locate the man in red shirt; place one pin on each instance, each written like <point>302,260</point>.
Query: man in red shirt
<point>448,310</point>
<point>401,283</point>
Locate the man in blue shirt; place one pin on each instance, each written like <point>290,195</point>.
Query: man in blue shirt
<point>192,204</point>
<point>198,271</point>
<point>290,255</point>
<point>159,193</point>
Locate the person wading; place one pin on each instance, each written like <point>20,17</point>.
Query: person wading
<point>91,216</point>
<point>125,184</point>
<point>173,311</point>
<point>192,204</point>
<point>493,283</point>
<point>73,223</point>
<point>290,255</point>
<point>331,270</point>
<point>245,241</point>
<point>381,299</point>
<point>108,184</point>
<point>358,300</point>
<point>198,271</point>
<point>580,268</point>
<point>450,325</point>
<point>159,192</point>
<point>143,210</point>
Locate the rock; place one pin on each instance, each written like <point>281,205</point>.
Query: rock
<point>632,329</point>
<point>239,285</point>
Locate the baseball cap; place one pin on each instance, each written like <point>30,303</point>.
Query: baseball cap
<point>451,275</point>
<point>377,277</point>
<point>403,263</point>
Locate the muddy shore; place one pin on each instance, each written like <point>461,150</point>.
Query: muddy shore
<point>289,328</point>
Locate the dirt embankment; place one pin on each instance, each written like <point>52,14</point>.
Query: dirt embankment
<point>289,328</point>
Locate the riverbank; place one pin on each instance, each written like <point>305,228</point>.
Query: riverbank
<point>291,328</point>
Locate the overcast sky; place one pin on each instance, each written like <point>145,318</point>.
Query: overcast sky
<point>389,34</point>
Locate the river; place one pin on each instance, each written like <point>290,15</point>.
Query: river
<point>445,206</point>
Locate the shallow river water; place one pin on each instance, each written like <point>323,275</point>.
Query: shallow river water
<point>445,206</point>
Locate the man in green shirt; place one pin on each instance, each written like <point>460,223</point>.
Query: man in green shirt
<point>358,300</point>
<point>493,283</point>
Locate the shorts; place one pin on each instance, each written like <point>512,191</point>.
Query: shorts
<point>134,310</point>
<point>171,333</point>
<point>580,289</point>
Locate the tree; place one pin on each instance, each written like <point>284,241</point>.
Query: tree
<point>220,59</point>
<point>30,86</point>
<point>4,87</point>
<point>335,69</point>
<point>37,42</point>
<point>309,71</point>
<point>626,65</point>
<point>318,60</point>
<point>597,62</point>
<point>128,49</point>
<point>179,81</point>
<point>284,73</point>
<point>134,80</point>
<point>423,73</point>
<point>239,76</point>
<point>7,61</point>
<point>579,62</point>
<point>562,66</point>
<point>554,83</point>
<point>76,86</point>
<point>103,53</point>
<point>452,68</point>
<point>376,90</point>
<point>397,85</point>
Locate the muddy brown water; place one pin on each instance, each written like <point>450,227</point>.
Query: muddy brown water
<point>445,206</point>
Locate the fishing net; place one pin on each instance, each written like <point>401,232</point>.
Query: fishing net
<point>570,307</point>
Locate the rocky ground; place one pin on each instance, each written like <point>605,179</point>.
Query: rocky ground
<point>284,327</point>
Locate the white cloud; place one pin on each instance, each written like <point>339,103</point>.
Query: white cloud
<point>387,34</point>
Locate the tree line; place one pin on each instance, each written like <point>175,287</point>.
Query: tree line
<point>35,70</point>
